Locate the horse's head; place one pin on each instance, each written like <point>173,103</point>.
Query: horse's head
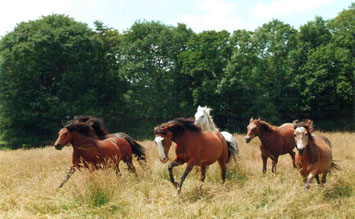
<point>64,137</point>
<point>302,134</point>
<point>201,116</point>
<point>252,129</point>
<point>163,139</point>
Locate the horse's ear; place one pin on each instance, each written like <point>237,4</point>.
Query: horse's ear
<point>62,124</point>
<point>251,119</point>
<point>310,125</point>
<point>258,119</point>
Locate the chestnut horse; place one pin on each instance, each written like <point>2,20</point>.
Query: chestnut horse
<point>89,150</point>
<point>193,146</point>
<point>275,141</point>
<point>98,127</point>
<point>314,155</point>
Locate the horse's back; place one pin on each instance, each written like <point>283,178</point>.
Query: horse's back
<point>111,147</point>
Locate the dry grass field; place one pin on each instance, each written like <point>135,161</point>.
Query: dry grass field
<point>28,181</point>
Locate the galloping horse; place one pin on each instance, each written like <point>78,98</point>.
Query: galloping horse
<point>314,153</point>
<point>88,149</point>
<point>193,146</point>
<point>204,119</point>
<point>98,127</point>
<point>275,141</point>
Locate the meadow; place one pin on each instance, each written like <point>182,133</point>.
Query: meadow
<point>29,178</point>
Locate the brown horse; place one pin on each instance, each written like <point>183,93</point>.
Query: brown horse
<point>193,146</point>
<point>89,150</point>
<point>314,155</point>
<point>101,133</point>
<point>275,141</point>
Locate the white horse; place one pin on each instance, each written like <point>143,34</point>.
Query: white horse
<point>204,119</point>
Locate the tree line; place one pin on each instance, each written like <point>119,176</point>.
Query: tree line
<point>55,68</point>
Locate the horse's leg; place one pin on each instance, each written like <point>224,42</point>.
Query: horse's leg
<point>203,175</point>
<point>309,180</point>
<point>171,166</point>
<point>130,166</point>
<point>264,157</point>
<point>186,172</point>
<point>324,178</point>
<point>274,162</point>
<point>222,165</point>
<point>317,178</point>
<point>70,172</point>
<point>292,154</point>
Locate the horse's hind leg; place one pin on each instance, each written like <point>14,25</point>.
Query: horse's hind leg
<point>274,162</point>
<point>203,175</point>
<point>117,168</point>
<point>292,154</point>
<point>222,165</point>
<point>130,166</point>
<point>324,178</point>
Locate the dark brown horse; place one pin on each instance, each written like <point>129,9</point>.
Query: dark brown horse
<point>193,146</point>
<point>89,151</point>
<point>275,141</point>
<point>99,129</point>
<point>314,155</point>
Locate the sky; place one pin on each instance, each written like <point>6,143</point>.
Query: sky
<point>199,15</point>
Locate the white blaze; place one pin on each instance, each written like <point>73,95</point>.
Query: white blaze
<point>159,141</point>
<point>301,138</point>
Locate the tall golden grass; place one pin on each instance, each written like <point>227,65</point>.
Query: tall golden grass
<point>29,178</point>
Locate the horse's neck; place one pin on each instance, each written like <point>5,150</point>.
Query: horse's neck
<point>267,137</point>
<point>209,125</point>
<point>79,140</point>
<point>312,151</point>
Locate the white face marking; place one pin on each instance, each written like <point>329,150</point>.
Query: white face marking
<point>200,117</point>
<point>250,129</point>
<point>301,137</point>
<point>159,140</point>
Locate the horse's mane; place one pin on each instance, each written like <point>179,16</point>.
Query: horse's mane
<point>207,110</point>
<point>82,128</point>
<point>177,126</point>
<point>267,126</point>
<point>96,124</point>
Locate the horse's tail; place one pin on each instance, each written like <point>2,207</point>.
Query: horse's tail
<point>232,145</point>
<point>137,149</point>
<point>334,166</point>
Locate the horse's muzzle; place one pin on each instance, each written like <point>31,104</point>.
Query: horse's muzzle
<point>164,160</point>
<point>58,146</point>
<point>247,139</point>
<point>301,151</point>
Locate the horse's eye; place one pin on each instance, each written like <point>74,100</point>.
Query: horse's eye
<point>294,135</point>
<point>306,134</point>
<point>65,134</point>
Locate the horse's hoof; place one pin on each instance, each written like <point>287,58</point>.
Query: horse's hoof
<point>200,186</point>
<point>178,190</point>
<point>175,185</point>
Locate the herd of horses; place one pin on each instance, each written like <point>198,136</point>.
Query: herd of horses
<point>198,143</point>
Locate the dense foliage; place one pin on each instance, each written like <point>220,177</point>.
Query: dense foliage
<point>54,68</point>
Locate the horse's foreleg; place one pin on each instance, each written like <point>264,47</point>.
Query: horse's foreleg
<point>171,166</point>
<point>264,162</point>
<point>317,178</point>
<point>70,172</point>
<point>292,154</point>
<point>186,172</point>
<point>309,180</point>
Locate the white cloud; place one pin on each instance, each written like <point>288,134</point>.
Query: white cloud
<point>287,7</point>
<point>216,15</point>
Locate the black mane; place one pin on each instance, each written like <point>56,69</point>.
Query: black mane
<point>82,128</point>
<point>177,126</point>
<point>96,124</point>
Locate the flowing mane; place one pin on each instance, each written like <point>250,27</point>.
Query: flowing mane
<point>82,128</point>
<point>207,110</point>
<point>177,127</point>
<point>96,124</point>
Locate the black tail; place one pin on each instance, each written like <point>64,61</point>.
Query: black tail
<point>137,149</point>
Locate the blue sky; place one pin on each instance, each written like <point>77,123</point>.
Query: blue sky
<point>199,15</point>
